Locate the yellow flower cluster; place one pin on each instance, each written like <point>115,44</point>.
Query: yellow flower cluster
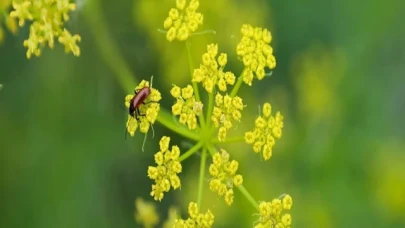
<point>271,213</point>
<point>267,128</point>
<point>186,106</point>
<point>226,110</point>
<point>195,219</point>
<point>183,20</point>
<point>165,173</point>
<point>9,22</point>
<point>148,111</point>
<point>256,53</point>
<point>48,18</point>
<point>211,73</point>
<point>145,213</point>
<point>224,176</point>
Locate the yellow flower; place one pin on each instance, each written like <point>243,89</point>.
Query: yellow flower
<point>145,213</point>
<point>224,176</point>
<point>210,73</point>
<point>267,129</point>
<point>182,20</point>
<point>165,173</point>
<point>186,106</point>
<point>271,214</point>
<point>171,219</point>
<point>226,111</point>
<point>48,18</point>
<point>255,52</point>
<point>148,110</point>
<point>195,219</point>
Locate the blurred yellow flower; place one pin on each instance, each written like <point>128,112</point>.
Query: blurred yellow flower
<point>48,18</point>
<point>145,213</point>
<point>195,219</point>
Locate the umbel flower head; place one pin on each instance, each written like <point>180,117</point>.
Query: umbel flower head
<point>195,219</point>
<point>256,53</point>
<point>165,173</point>
<point>267,129</point>
<point>148,110</point>
<point>271,213</point>
<point>186,106</point>
<point>48,18</point>
<point>183,20</point>
<point>224,177</point>
<point>226,111</point>
<point>210,73</point>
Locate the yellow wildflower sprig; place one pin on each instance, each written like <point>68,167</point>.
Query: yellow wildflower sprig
<point>165,173</point>
<point>183,20</point>
<point>255,52</point>
<point>148,110</point>
<point>271,213</point>
<point>145,213</point>
<point>9,22</point>
<point>267,129</point>
<point>224,177</point>
<point>210,73</point>
<point>195,219</point>
<point>48,18</point>
<point>186,106</point>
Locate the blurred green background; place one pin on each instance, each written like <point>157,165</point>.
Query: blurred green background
<point>339,82</point>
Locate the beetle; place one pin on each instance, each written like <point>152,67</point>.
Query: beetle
<point>137,100</point>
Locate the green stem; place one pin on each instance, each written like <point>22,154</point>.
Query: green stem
<point>211,150</point>
<point>238,84</point>
<point>165,119</point>
<point>115,61</point>
<point>191,151</point>
<point>210,108</point>
<point>229,140</point>
<point>107,46</point>
<point>248,196</point>
<point>195,86</point>
<point>201,179</point>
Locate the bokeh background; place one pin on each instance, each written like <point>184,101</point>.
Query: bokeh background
<point>339,82</point>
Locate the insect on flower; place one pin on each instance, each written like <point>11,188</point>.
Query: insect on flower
<point>138,103</point>
<point>137,100</point>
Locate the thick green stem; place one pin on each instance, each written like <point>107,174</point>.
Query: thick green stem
<point>248,196</point>
<point>211,150</point>
<point>229,140</point>
<point>191,151</point>
<point>107,46</point>
<point>210,108</point>
<point>166,120</point>
<point>195,86</point>
<point>238,84</point>
<point>201,178</point>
